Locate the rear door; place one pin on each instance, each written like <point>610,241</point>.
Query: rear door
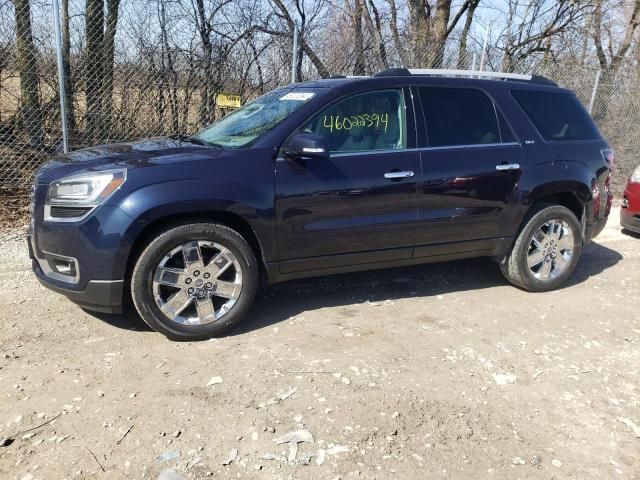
<point>360,205</point>
<point>471,165</point>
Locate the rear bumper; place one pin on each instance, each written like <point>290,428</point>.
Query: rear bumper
<point>629,221</point>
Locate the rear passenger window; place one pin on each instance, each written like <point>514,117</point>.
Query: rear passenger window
<point>363,122</point>
<point>459,116</point>
<point>557,116</point>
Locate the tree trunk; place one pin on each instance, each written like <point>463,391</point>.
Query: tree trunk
<point>439,32</point>
<point>419,11</point>
<point>611,66</point>
<point>375,30</point>
<point>463,61</point>
<point>207,105</point>
<point>93,67</point>
<point>358,68</point>
<point>69,106</point>
<point>108,52</point>
<point>604,93</point>
<point>169,76</point>
<point>27,66</point>
<point>395,34</point>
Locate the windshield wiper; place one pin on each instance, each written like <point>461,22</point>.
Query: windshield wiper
<point>196,140</point>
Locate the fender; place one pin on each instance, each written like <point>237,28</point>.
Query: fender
<point>570,186</point>
<point>194,196</point>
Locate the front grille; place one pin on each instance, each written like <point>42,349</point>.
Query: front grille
<point>68,212</point>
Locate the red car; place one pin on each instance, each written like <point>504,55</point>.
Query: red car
<point>630,211</point>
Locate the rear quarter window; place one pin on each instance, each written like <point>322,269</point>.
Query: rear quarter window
<point>558,116</point>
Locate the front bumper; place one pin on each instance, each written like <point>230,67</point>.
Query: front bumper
<point>629,220</point>
<point>95,248</point>
<point>99,295</point>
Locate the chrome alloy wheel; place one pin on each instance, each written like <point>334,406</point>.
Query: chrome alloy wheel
<point>550,250</point>
<point>197,283</point>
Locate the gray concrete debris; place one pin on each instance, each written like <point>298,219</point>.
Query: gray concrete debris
<point>293,439</point>
<point>233,455</point>
<point>504,378</point>
<point>338,449</point>
<point>278,398</point>
<point>171,474</point>
<point>214,381</point>
<point>296,436</point>
<point>167,456</point>
<point>630,423</point>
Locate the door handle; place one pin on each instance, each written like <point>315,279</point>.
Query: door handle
<point>396,175</point>
<point>508,166</point>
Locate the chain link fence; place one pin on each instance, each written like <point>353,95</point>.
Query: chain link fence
<point>140,68</point>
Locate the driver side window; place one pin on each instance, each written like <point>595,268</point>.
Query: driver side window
<point>364,122</point>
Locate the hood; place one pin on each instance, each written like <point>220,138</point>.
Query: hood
<point>136,154</point>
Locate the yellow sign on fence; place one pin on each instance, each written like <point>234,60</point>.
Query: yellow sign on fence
<point>228,101</point>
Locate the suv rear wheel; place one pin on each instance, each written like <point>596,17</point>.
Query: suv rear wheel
<point>195,281</point>
<point>547,250</point>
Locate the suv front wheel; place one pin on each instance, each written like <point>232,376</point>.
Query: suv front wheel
<point>195,281</point>
<point>547,249</point>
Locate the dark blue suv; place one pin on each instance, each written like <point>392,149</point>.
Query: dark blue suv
<point>321,177</point>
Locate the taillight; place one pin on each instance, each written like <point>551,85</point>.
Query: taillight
<point>609,157</point>
<point>595,193</point>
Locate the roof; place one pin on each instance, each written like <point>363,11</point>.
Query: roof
<point>458,75</point>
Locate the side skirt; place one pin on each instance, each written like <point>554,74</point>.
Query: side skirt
<point>495,248</point>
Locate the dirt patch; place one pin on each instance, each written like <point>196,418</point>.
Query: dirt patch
<point>438,371</point>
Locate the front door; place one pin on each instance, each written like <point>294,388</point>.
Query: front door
<point>471,166</point>
<point>360,205</point>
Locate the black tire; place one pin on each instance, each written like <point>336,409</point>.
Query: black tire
<point>514,266</point>
<point>171,238</point>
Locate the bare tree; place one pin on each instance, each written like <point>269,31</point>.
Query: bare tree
<point>374,25</point>
<point>108,51</point>
<point>94,67</point>
<point>31,112</point>
<point>282,12</point>
<point>431,26</point>
<point>66,68</point>
<point>464,35</point>
<point>532,26</point>
<point>610,63</point>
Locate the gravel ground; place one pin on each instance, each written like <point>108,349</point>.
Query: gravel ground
<point>438,371</point>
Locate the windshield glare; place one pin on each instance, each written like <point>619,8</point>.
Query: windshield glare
<point>247,123</point>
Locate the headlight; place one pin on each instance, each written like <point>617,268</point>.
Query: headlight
<point>87,189</point>
<point>635,177</point>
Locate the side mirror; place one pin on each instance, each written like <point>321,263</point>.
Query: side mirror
<point>306,145</point>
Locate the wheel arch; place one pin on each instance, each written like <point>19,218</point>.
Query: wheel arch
<point>229,219</point>
<point>573,195</point>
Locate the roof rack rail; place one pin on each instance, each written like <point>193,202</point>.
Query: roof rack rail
<point>464,73</point>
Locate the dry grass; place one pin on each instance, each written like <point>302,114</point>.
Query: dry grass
<point>14,208</point>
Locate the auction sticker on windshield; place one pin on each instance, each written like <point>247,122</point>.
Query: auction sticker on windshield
<point>298,96</point>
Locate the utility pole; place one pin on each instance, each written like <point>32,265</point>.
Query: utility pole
<point>294,53</point>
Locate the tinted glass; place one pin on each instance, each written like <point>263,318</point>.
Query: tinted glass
<point>244,125</point>
<point>459,116</point>
<point>364,122</point>
<point>557,116</point>
<point>506,134</point>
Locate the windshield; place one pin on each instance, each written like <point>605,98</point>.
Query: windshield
<point>244,125</point>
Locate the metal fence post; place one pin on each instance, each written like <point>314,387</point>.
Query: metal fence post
<point>484,48</point>
<point>596,84</point>
<point>61,92</point>
<point>294,53</point>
